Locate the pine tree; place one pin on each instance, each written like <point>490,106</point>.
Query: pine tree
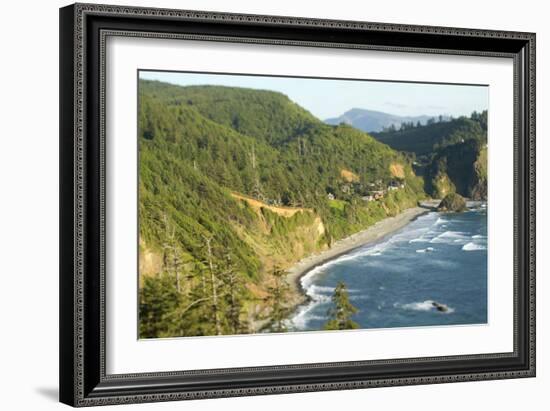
<point>171,253</point>
<point>213,286</point>
<point>158,304</point>
<point>233,293</point>
<point>340,314</point>
<point>278,294</point>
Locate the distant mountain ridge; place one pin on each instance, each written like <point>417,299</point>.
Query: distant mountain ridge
<point>376,121</point>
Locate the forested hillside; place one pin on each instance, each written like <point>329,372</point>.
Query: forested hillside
<point>451,155</point>
<point>425,139</point>
<point>235,186</point>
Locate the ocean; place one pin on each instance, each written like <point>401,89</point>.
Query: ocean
<point>438,258</point>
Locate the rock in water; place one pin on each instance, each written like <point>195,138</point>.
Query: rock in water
<point>440,307</point>
<point>452,202</point>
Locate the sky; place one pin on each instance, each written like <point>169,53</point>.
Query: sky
<point>327,98</point>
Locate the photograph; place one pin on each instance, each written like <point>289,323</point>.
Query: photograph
<point>280,204</point>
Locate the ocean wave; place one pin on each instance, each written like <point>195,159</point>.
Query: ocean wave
<point>425,250</point>
<point>440,221</point>
<point>410,233</point>
<point>426,237</point>
<point>305,313</point>
<point>427,305</point>
<point>477,236</point>
<point>325,289</point>
<point>357,254</point>
<point>316,296</point>
<point>473,247</point>
<point>302,318</point>
<point>319,295</point>
<point>450,237</point>
<point>319,289</point>
<point>377,248</point>
<point>307,279</point>
<point>419,240</point>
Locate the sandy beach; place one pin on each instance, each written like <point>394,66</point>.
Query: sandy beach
<point>345,245</point>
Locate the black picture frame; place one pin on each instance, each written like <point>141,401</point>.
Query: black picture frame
<point>83,30</point>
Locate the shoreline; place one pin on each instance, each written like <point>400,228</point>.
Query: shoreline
<point>370,235</point>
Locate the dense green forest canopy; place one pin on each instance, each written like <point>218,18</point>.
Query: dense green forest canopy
<point>266,115</point>
<point>423,140</point>
<point>262,144</point>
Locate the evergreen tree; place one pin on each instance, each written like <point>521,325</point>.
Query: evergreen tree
<point>171,254</point>
<point>234,292</point>
<point>214,300</point>
<point>158,303</point>
<point>276,300</point>
<point>340,314</point>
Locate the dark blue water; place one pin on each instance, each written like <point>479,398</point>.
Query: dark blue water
<point>438,257</point>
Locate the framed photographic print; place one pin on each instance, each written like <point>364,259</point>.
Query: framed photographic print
<point>261,204</point>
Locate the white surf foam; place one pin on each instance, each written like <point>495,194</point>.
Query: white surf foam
<point>320,289</point>
<point>440,221</point>
<point>473,247</point>
<point>418,306</point>
<point>301,319</point>
<point>449,237</point>
<point>410,234</point>
<point>419,240</point>
<point>427,305</point>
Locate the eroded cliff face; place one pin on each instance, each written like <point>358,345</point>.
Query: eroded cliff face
<point>459,168</point>
<point>450,155</point>
<point>479,188</point>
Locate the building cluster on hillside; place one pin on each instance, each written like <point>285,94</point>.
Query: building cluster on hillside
<point>376,190</point>
<point>374,195</point>
<point>395,185</point>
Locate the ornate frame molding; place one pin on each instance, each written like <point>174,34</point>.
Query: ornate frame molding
<point>83,378</point>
